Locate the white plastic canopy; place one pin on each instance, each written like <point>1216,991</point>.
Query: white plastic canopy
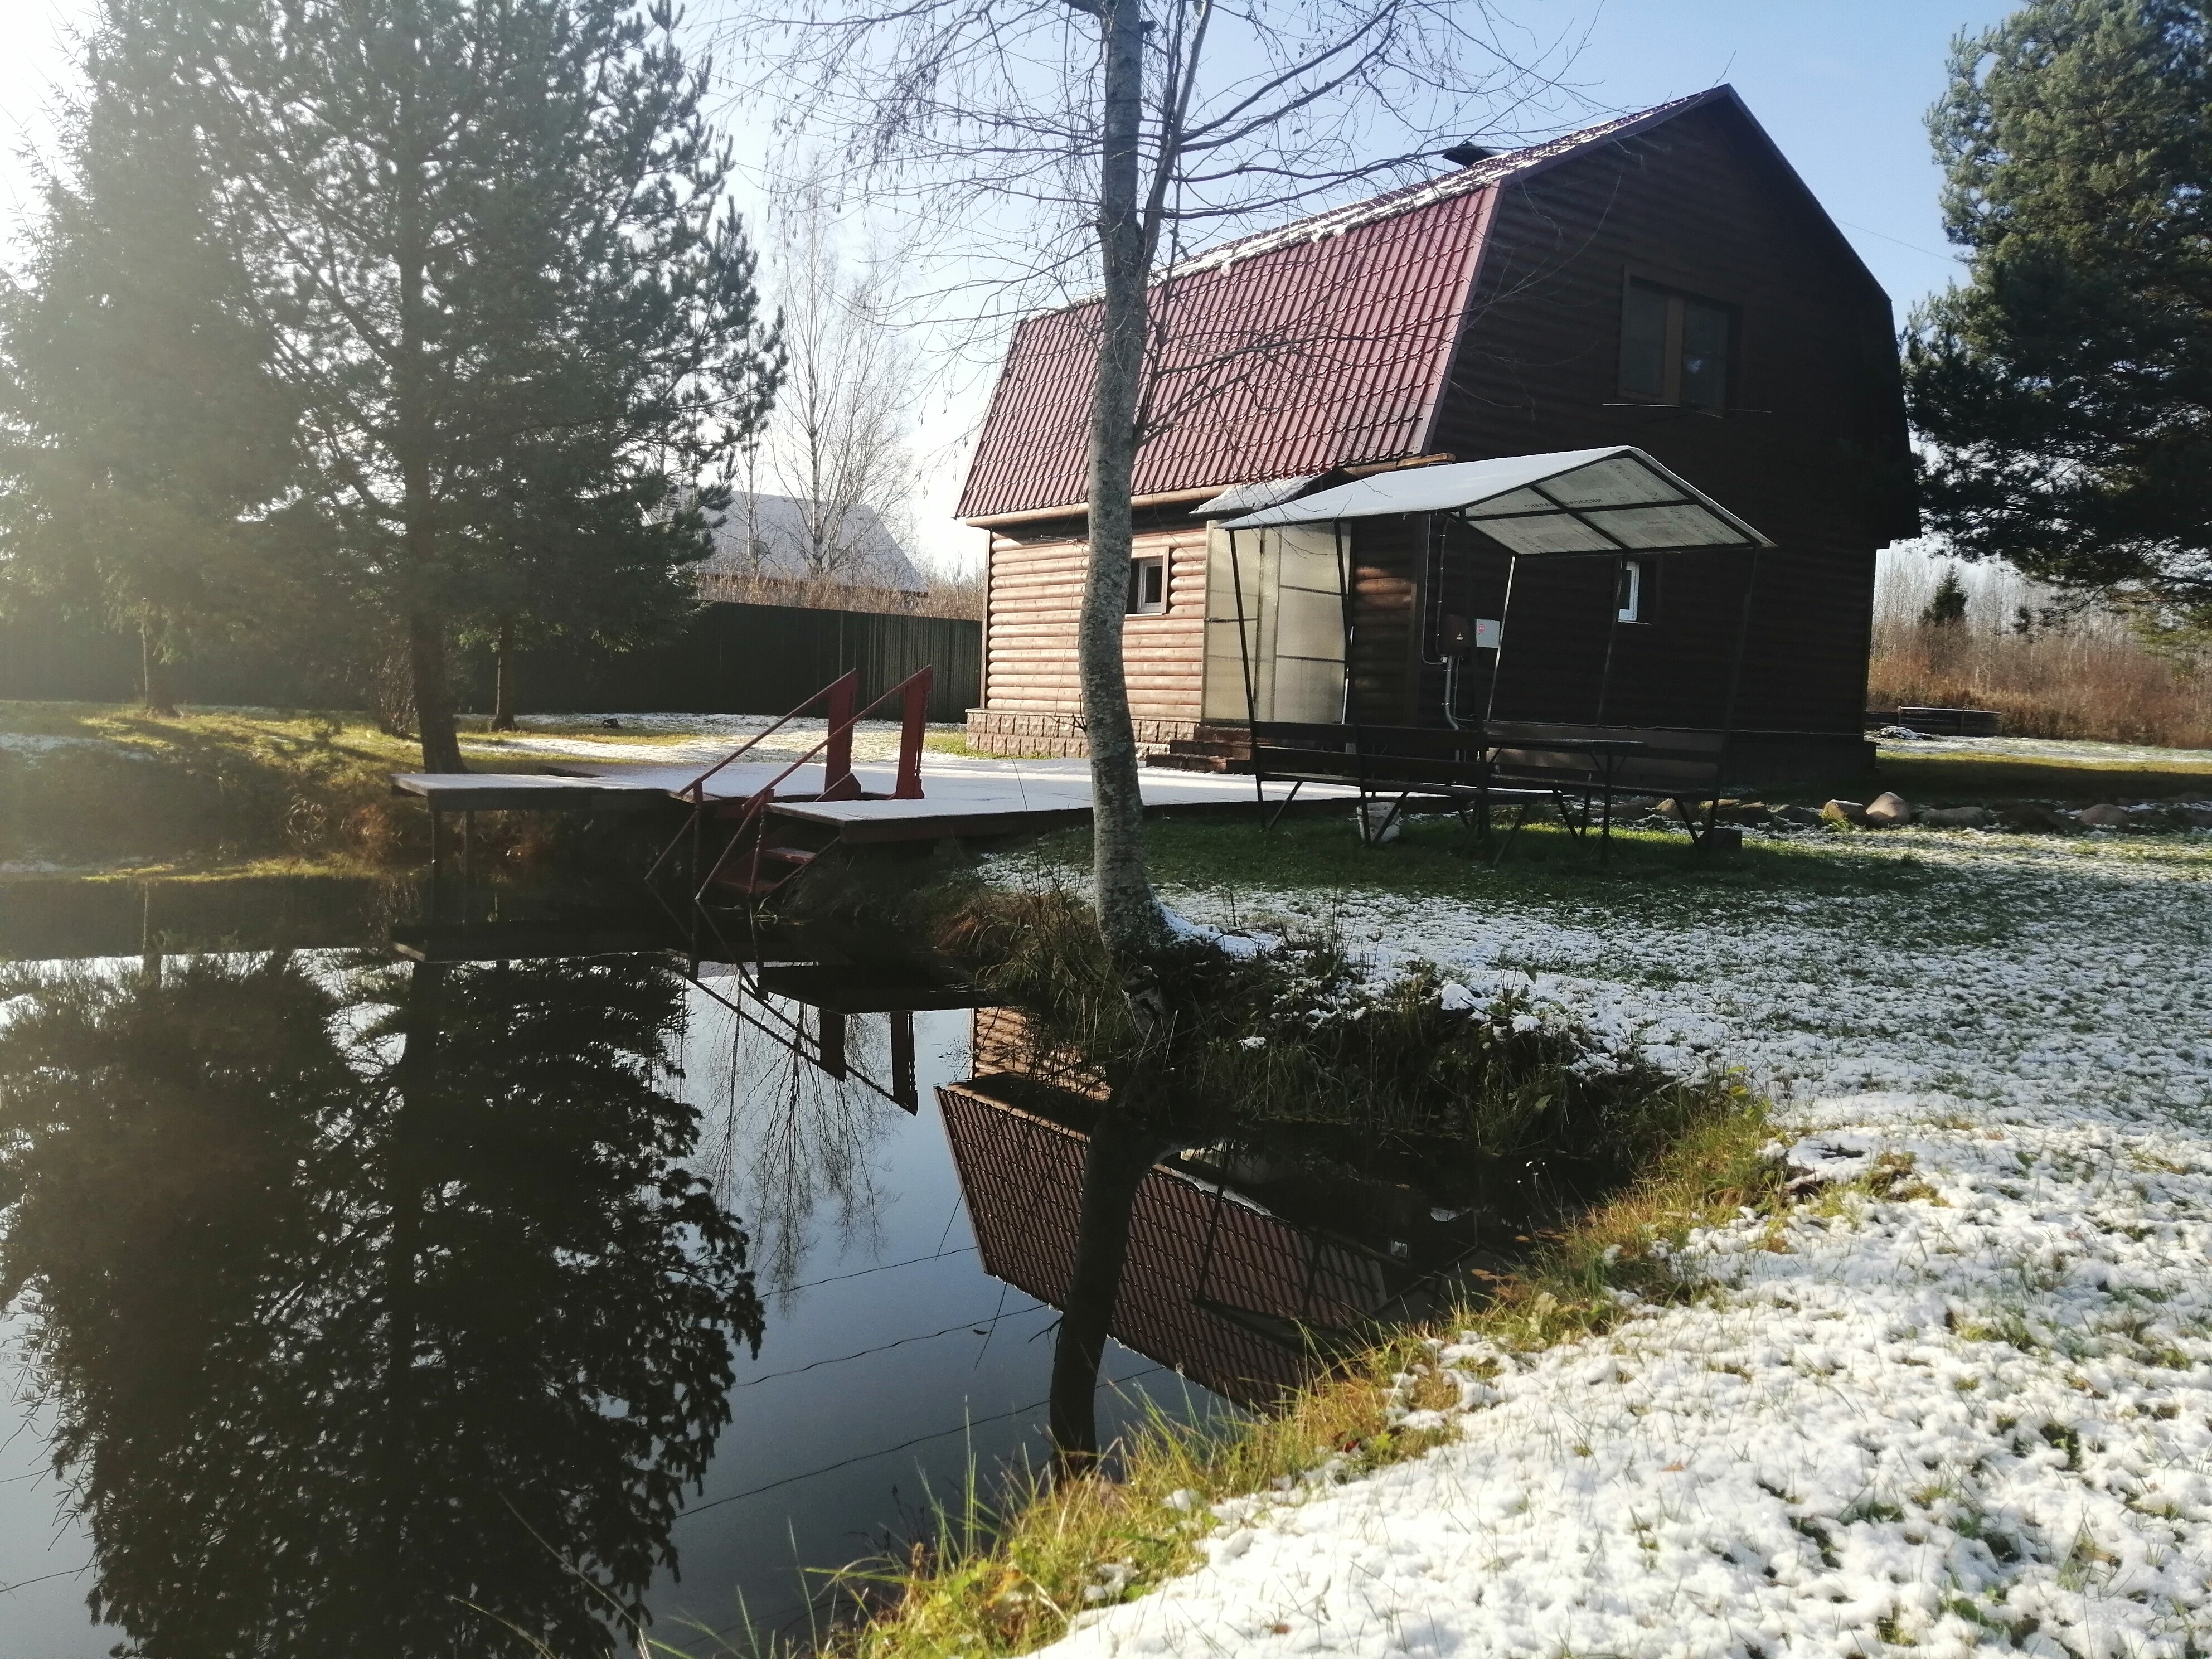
<point>1576,500</point>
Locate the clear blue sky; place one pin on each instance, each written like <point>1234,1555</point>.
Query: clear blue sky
<point>1841,85</point>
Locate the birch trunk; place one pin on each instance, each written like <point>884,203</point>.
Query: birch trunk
<point>1129,916</point>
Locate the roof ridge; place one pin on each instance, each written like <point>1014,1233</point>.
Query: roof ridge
<point>1408,198</point>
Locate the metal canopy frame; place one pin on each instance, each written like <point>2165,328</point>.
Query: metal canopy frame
<point>1459,492</point>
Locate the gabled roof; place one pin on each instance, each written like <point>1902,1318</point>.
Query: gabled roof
<point>1320,345</point>
<point>766,535</point>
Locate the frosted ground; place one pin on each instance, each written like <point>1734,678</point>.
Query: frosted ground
<point>1980,1419</point>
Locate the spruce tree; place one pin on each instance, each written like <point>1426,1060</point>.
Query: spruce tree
<point>2065,389</point>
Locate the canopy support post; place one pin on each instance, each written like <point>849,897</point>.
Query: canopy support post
<point>1612,634</point>
<point>1498,659</point>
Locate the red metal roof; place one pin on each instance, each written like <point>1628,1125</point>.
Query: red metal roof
<point>1320,344</point>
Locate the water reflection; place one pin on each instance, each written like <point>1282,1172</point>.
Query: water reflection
<point>376,1309</point>
<point>1239,1254</point>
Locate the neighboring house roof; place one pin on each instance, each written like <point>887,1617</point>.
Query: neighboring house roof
<point>767,535</point>
<point>1322,344</point>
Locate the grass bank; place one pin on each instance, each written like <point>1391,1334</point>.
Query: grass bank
<point>1297,1037</point>
<point>1009,1579</point>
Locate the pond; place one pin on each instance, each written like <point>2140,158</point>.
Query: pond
<point>395,1288</point>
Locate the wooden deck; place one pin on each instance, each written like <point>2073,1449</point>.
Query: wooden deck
<point>960,796</point>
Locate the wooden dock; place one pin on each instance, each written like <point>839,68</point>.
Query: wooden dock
<point>961,796</point>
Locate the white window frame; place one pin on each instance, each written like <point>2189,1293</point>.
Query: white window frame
<point>1631,608</point>
<point>1137,605</point>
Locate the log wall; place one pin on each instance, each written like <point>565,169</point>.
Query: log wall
<point>1031,677</point>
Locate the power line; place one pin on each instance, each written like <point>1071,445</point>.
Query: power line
<point>930,1336</point>
<point>885,1451</point>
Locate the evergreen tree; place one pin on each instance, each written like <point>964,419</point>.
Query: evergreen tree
<point>147,449</point>
<point>2066,388</point>
<point>489,241</point>
<point>1947,606</point>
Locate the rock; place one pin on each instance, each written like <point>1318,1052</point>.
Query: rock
<point>2196,818</point>
<point>1888,811</point>
<point>1804,816</point>
<point>1952,818</point>
<point>1843,811</point>
<point>2103,816</point>
<point>1743,811</point>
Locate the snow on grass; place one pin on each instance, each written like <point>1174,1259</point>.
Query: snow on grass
<point>1979,1417</point>
<point>2054,750</point>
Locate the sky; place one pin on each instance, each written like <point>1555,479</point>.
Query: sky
<point>1841,85</point>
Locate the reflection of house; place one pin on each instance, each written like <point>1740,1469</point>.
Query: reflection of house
<point>1664,281</point>
<point>781,550</point>
<point>1215,1285</point>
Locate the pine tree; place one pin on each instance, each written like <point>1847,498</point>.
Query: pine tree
<point>489,241</point>
<point>2066,388</point>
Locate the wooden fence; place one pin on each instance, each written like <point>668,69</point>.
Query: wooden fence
<point>731,659</point>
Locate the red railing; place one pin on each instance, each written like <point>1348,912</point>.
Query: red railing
<point>838,781</point>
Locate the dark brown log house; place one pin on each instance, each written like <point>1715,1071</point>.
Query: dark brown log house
<point>1664,280</point>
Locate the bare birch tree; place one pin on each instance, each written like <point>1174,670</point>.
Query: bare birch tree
<point>1095,140</point>
<point>839,441</point>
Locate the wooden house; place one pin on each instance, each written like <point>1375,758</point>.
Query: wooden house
<point>1663,281</point>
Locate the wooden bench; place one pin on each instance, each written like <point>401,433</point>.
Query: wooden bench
<point>1395,762</point>
<point>1582,769</point>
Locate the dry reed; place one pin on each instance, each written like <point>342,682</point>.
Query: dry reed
<point>2083,673</point>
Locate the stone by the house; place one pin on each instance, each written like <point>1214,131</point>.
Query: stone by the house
<point>1952,818</point>
<point>1843,811</point>
<point>2196,818</point>
<point>1804,817</point>
<point>1888,811</point>
<point>2103,816</point>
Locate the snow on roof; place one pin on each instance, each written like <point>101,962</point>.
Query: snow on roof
<point>769,536</point>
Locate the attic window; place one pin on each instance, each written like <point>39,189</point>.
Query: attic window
<point>1148,585</point>
<point>1675,348</point>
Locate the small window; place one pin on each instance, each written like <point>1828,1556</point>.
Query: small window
<point>1674,348</point>
<point>1148,585</point>
<point>1629,595</point>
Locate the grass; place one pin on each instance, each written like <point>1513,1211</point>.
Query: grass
<point>1006,1580</point>
<point>128,791</point>
<point>101,790</point>
<point>1944,780</point>
<point>1233,854</point>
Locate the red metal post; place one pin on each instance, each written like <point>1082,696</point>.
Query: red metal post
<point>838,782</point>
<point>911,728</point>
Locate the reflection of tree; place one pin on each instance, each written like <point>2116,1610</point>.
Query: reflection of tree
<point>351,1335</point>
<point>787,1136</point>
